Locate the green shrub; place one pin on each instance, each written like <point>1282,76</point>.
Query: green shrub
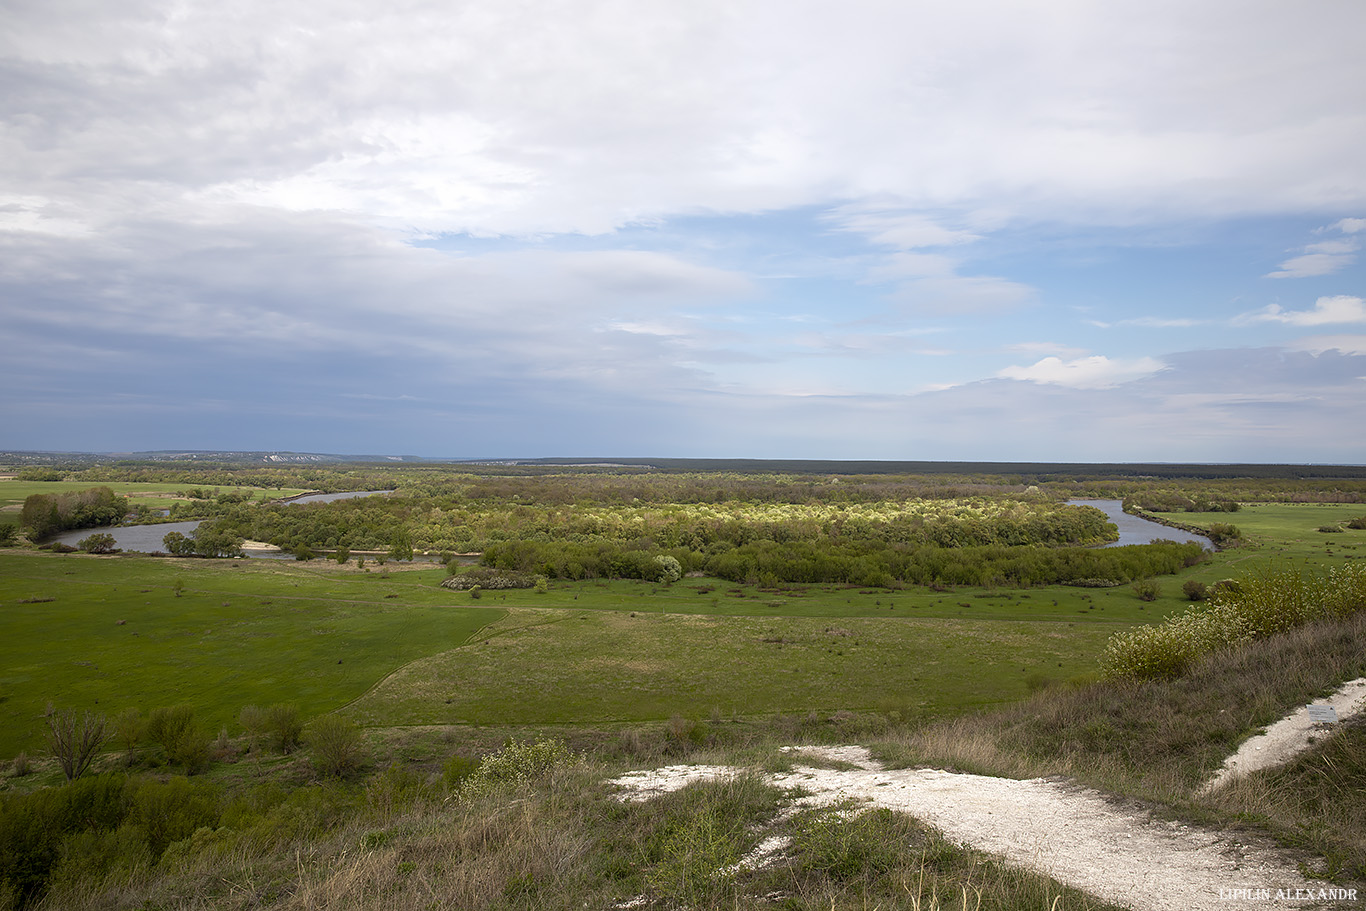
<point>516,762</point>
<point>1222,533</point>
<point>165,812</point>
<point>697,860</point>
<point>255,722</point>
<point>127,729</point>
<point>667,569</point>
<point>284,727</point>
<point>182,740</point>
<point>1343,592</point>
<point>487,578</point>
<point>1147,589</point>
<point>1255,608</point>
<point>1195,590</point>
<point>98,543</point>
<point>1230,586</point>
<point>456,769</point>
<point>336,745</point>
<point>34,826</point>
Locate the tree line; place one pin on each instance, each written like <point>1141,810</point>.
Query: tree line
<point>46,514</point>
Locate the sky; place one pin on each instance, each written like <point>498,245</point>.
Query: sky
<point>987,230</point>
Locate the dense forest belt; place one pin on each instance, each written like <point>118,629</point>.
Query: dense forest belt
<point>721,481</point>
<point>768,563</point>
<point>458,525</point>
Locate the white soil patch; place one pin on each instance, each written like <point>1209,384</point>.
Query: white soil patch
<point>1119,853</point>
<point>650,783</point>
<point>1290,736</point>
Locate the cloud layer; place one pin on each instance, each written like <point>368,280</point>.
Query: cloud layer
<point>741,228</point>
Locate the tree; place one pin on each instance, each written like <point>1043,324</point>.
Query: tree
<point>255,722</point>
<point>177,545</point>
<point>75,739</point>
<point>336,745</point>
<point>183,740</point>
<point>402,548</point>
<point>667,569</point>
<point>284,726</point>
<point>39,515</point>
<point>128,727</point>
<point>209,541</point>
<point>98,543</point>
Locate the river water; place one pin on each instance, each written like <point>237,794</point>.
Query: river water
<point>1133,530</point>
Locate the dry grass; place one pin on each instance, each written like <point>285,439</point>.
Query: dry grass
<point>1162,739</point>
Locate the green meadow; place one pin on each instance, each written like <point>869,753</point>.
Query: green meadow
<point>108,633</point>
<point>13,492</point>
<point>390,647</point>
<point>540,667</point>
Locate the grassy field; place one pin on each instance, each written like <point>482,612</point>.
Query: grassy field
<point>1289,531</point>
<point>13,492</point>
<point>116,635</point>
<point>539,666</point>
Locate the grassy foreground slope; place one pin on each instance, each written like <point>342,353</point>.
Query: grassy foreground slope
<point>545,831</point>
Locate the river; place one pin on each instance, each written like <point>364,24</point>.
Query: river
<point>1133,530</point>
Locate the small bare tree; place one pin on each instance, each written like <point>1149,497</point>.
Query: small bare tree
<point>74,739</point>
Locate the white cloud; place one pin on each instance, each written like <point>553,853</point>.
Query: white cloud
<point>902,230</point>
<point>1095,372</point>
<point>1312,264</point>
<point>510,118</point>
<point>1325,257</point>
<point>1333,247</point>
<point>1339,309</point>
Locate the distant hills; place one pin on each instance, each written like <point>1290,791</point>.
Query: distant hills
<point>1029,470</point>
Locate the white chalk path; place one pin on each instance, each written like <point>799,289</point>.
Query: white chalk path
<point>1072,834</point>
<point>1290,736</point>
